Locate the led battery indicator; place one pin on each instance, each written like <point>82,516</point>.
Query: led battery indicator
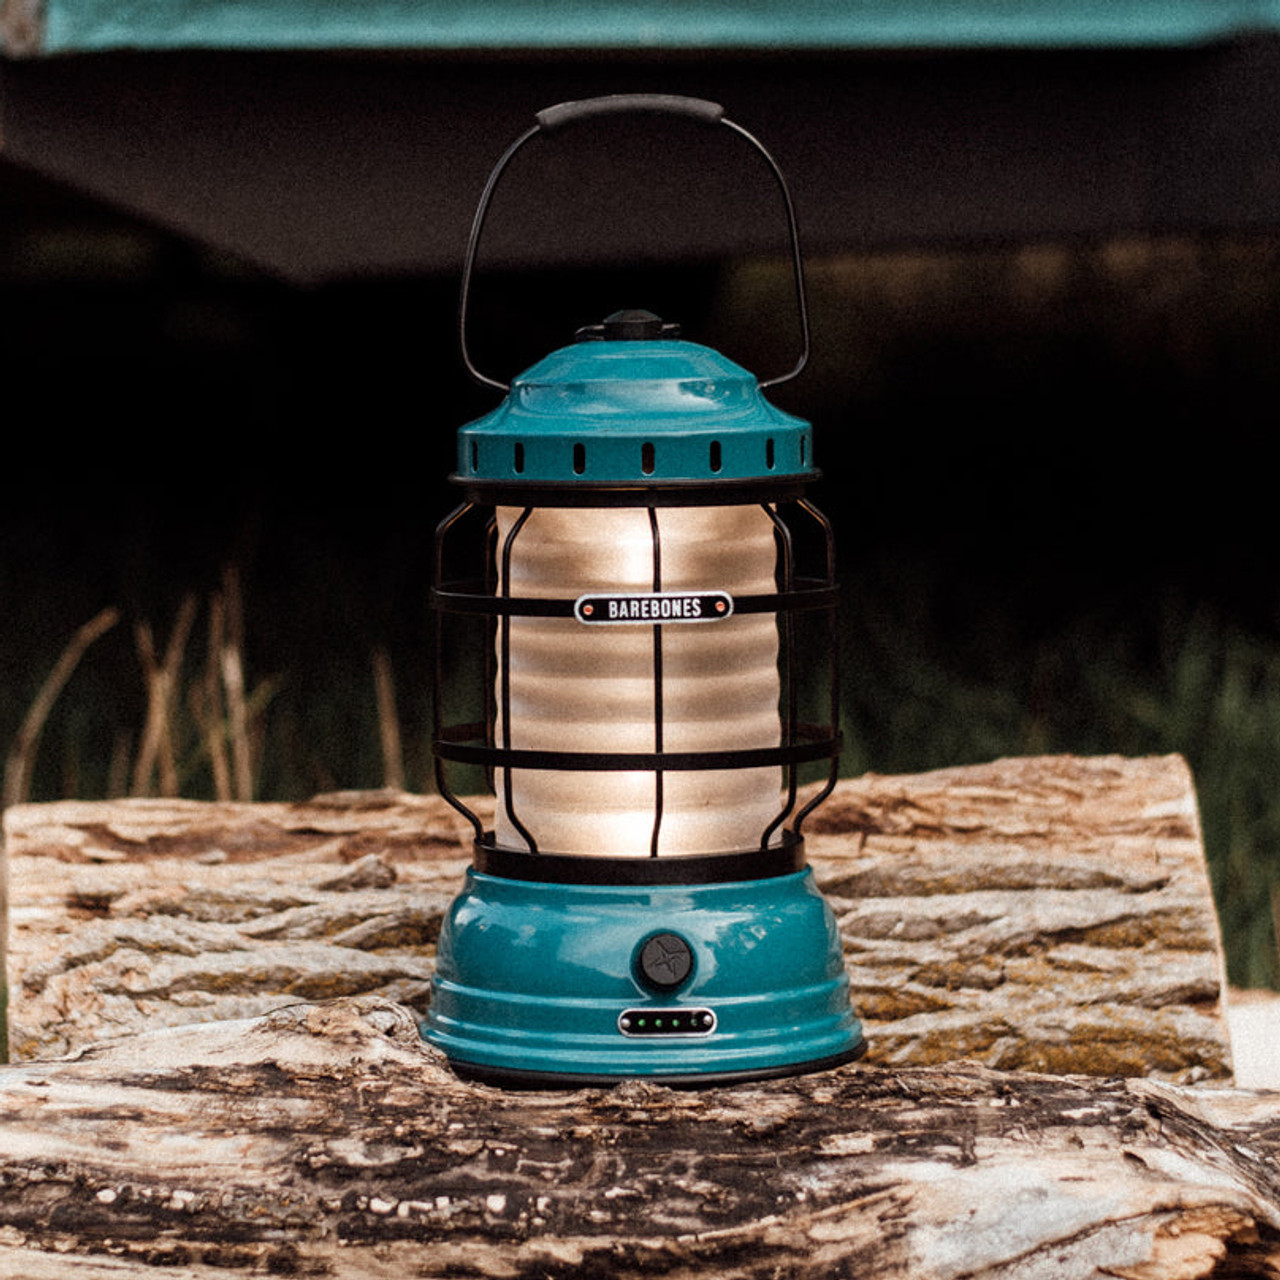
<point>667,1022</point>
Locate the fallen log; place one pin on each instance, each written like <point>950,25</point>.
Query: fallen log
<point>1049,914</point>
<point>328,1140</point>
<point>267,1106</point>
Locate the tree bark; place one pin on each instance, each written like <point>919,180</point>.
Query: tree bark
<point>327,1140</point>
<point>1048,914</point>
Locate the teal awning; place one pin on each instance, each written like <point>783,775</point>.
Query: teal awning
<point>329,139</point>
<point>86,26</point>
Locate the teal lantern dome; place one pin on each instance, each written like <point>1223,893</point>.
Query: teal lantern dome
<point>630,403</point>
<point>640,578</point>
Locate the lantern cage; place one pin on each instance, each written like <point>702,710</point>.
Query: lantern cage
<point>639,579</point>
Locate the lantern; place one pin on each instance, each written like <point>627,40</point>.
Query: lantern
<point>637,561</point>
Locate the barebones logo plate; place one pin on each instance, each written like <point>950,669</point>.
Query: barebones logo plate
<point>653,606</point>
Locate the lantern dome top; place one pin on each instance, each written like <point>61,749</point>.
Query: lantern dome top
<point>649,410</point>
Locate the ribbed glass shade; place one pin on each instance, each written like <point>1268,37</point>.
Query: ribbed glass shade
<point>576,687</point>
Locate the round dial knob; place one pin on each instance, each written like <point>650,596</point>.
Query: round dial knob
<point>665,961</point>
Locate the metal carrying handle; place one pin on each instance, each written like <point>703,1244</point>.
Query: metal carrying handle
<point>551,119</point>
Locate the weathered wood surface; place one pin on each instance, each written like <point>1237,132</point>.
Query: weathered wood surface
<point>326,1140</point>
<point>1047,914</point>
<point>1029,914</point>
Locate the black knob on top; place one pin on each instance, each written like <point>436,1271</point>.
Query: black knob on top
<point>628,326</point>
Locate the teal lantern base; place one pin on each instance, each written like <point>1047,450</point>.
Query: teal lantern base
<point>563,985</point>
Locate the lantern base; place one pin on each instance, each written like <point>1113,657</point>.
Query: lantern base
<point>566,985</point>
<point>508,1078</point>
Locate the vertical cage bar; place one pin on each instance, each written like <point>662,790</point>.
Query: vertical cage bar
<point>833,676</point>
<point>786,640</point>
<point>437,708</point>
<point>490,638</point>
<point>504,679</point>
<point>657,686</point>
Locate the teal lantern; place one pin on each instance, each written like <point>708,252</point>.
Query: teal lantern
<point>637,562</point>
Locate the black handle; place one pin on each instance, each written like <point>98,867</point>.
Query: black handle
<point>551,119</point>
<point>663,104</point>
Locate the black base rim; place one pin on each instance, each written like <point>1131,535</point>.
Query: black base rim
<point>636,493</point>
<point>505,1078</point>
<point>782,859</point>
